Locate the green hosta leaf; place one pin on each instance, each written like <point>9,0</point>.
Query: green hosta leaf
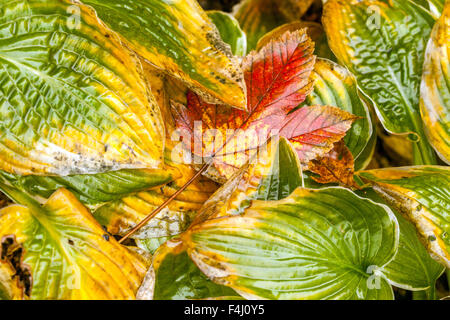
<point>335,86</point>
<point>64,253</point>
<point>383,43</point>
<point>177,36</point>
<point>435,87</point>
<point>230,31</point>
<point>422,193</point>
<point>435,6</point>
<point>93,190</point>
<point>314,244</point>
<point>73,99</point>
<point>412,267</point>
<point>273,174</point>
<point>175,277</point>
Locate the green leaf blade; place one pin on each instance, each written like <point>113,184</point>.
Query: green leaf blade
<point>306,246</point>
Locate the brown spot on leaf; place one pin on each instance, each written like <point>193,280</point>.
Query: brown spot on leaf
<point>12,252</point>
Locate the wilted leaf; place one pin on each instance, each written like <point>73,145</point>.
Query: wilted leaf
<point>173,276</point>
<point>337,166</point>
<point>177,37</point>
<point>412,267</point>
<point>73,99</point>
<point>121,215</point>
<point>68,253</point>
<point>422,194</point>
<point>387,68</point>
<point>315,244</point>
<point>278,81</point>
<point>435,87</point>
<point>230,31</point>
<point>257,17</point>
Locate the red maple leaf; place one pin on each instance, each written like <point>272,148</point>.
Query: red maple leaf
<point>278,80</point>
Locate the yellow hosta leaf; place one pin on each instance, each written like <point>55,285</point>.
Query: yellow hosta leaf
<point>435,87</point>
<point>422,194</point>
<point>68,253</point>
<point>73,99</point>
<point>178,37</point>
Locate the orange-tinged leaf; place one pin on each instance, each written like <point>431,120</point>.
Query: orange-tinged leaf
<point>277,79</point>
<point>337,166</point>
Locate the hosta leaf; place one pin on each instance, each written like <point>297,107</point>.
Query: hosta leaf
<point>315,244</point>
<point>436,7</point>
<point>435,87</point>
<point>422,193</point>
<point>72,99</point>
<point>335,86</point>
<point>174,276</point>
<point>67,251</point>
<point>272,174</point>
<point>257,17</point>
<point>230,31</point>
<point>10,288</point>
<point>92,190</point>
<point>278,81</point>
<point>383,44</point>
<point>177,36</point>
<point>121,215</point>
<point>412,267</point>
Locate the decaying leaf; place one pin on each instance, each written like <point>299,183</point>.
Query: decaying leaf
<point>122,215</point>
<point>67,253</point>
<point>272,174</point>
<point>230,31</point>
<point>337,166</point>
<point>73,99</point>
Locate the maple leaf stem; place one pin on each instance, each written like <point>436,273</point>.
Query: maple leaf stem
<point>162,206</point>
